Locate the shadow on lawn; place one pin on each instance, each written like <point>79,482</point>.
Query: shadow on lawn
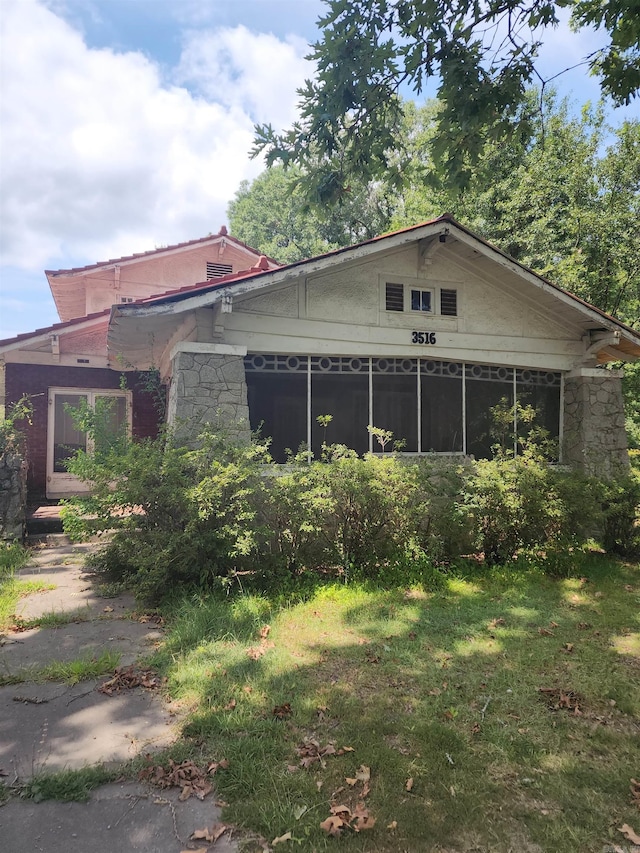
<point>441,688</point>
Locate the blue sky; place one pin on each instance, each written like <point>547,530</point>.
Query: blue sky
<point>126,124</point>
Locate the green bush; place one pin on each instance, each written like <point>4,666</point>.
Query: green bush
<point>621,512</point>
<point>524,502</point>
<point>180,517</point>
<point>203,518</point>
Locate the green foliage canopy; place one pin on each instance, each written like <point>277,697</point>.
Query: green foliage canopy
<point>484,55</point>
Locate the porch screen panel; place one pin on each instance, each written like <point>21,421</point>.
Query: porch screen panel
<point>277,397</point>
<point>486,388</point>
<point>344,396</point>
<point>441,407</point>
<point>395,399</point>
<point>66,438</point>
<point>541,390</point>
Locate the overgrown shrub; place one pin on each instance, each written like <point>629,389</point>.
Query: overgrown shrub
<point>621,514</point>
<point>200,518</point>
<point>523,502</point>
<point>181,517</point>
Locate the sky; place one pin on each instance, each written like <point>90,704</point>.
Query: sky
<point>126,125</point>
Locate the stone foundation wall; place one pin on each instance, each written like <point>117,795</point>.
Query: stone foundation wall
<point>594,438</point>
<point>208,388</point>
<point>13,495</point>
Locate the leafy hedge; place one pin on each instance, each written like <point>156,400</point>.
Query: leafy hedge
<point>199,518</point>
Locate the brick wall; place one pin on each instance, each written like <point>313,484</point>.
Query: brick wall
<point>35,380</point>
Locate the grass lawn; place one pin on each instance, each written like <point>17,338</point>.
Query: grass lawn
<point>12,558</point>
<point>499,713</point>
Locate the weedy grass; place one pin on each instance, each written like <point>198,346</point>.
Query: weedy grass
<point>67,785</point>
<point>13,557</point>
<point>68,672</point>
<point>53,619</point>
<point>438,694</point>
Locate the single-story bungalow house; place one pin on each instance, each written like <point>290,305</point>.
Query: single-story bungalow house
<point>421,332</point>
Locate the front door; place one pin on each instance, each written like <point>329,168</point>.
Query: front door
<point>64,438</point>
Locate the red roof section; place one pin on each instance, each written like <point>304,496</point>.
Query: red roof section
<point>56,327</point>
<point>222,233</point>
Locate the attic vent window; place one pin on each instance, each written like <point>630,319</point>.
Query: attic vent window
<point>449,303</point>
<point>394,297</point>
<point>218,270</point>
<point>126,299</point>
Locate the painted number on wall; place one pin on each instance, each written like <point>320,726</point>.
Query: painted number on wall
<point>423,337</point>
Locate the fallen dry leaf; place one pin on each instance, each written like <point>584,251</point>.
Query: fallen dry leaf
<point>311,751</point>
<point>265,631</point>
<point>362,819</point>
<point>128,677</point>
<point>333,825</point>
<point>408,786</point>
<point>629,834</point>
<point>281,712</point>
<point>545,632</point>
<point>286,837</point>
<point>392,825</point>
<point>231,705</point>
<point>187,776</point>
<point>634,787</point>
<point>559,699</point>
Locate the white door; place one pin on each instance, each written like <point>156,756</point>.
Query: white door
<point>64,438</point>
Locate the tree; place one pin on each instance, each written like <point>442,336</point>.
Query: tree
<point>561,196</point>
<point>484,55</point>
<point>274,214</point>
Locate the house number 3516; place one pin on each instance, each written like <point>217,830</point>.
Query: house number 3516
<point>423,337</point>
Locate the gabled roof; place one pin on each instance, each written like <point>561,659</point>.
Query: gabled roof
<point>188,244</point>
<point>440,229</point>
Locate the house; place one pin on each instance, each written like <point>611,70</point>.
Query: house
<point>66,363</point>
<point>421,332</point>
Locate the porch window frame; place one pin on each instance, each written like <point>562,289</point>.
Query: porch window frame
<point>465,375</point>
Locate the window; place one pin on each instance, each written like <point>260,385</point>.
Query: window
<point>421,300</point>
<point>218,270</point>
<point>397,295</point>
<point>433,406</point>
<point>448,302</point>
<point>126,299</point>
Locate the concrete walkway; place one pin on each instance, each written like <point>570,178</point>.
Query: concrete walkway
<point>51,726</point>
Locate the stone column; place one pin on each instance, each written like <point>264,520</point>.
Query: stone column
<point>208,386</point>
<point>13,494</point>
<point>594,438</point>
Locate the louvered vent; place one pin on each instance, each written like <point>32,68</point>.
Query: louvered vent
<point>449,303</point>
<point>218,270</point>
<point>394,297</point>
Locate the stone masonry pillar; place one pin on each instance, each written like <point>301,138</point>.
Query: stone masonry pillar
<point>594,438</point>
<point>208,386</point>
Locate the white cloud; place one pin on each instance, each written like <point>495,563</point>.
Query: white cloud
<point>245,71</point>
<point>101,157</point>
